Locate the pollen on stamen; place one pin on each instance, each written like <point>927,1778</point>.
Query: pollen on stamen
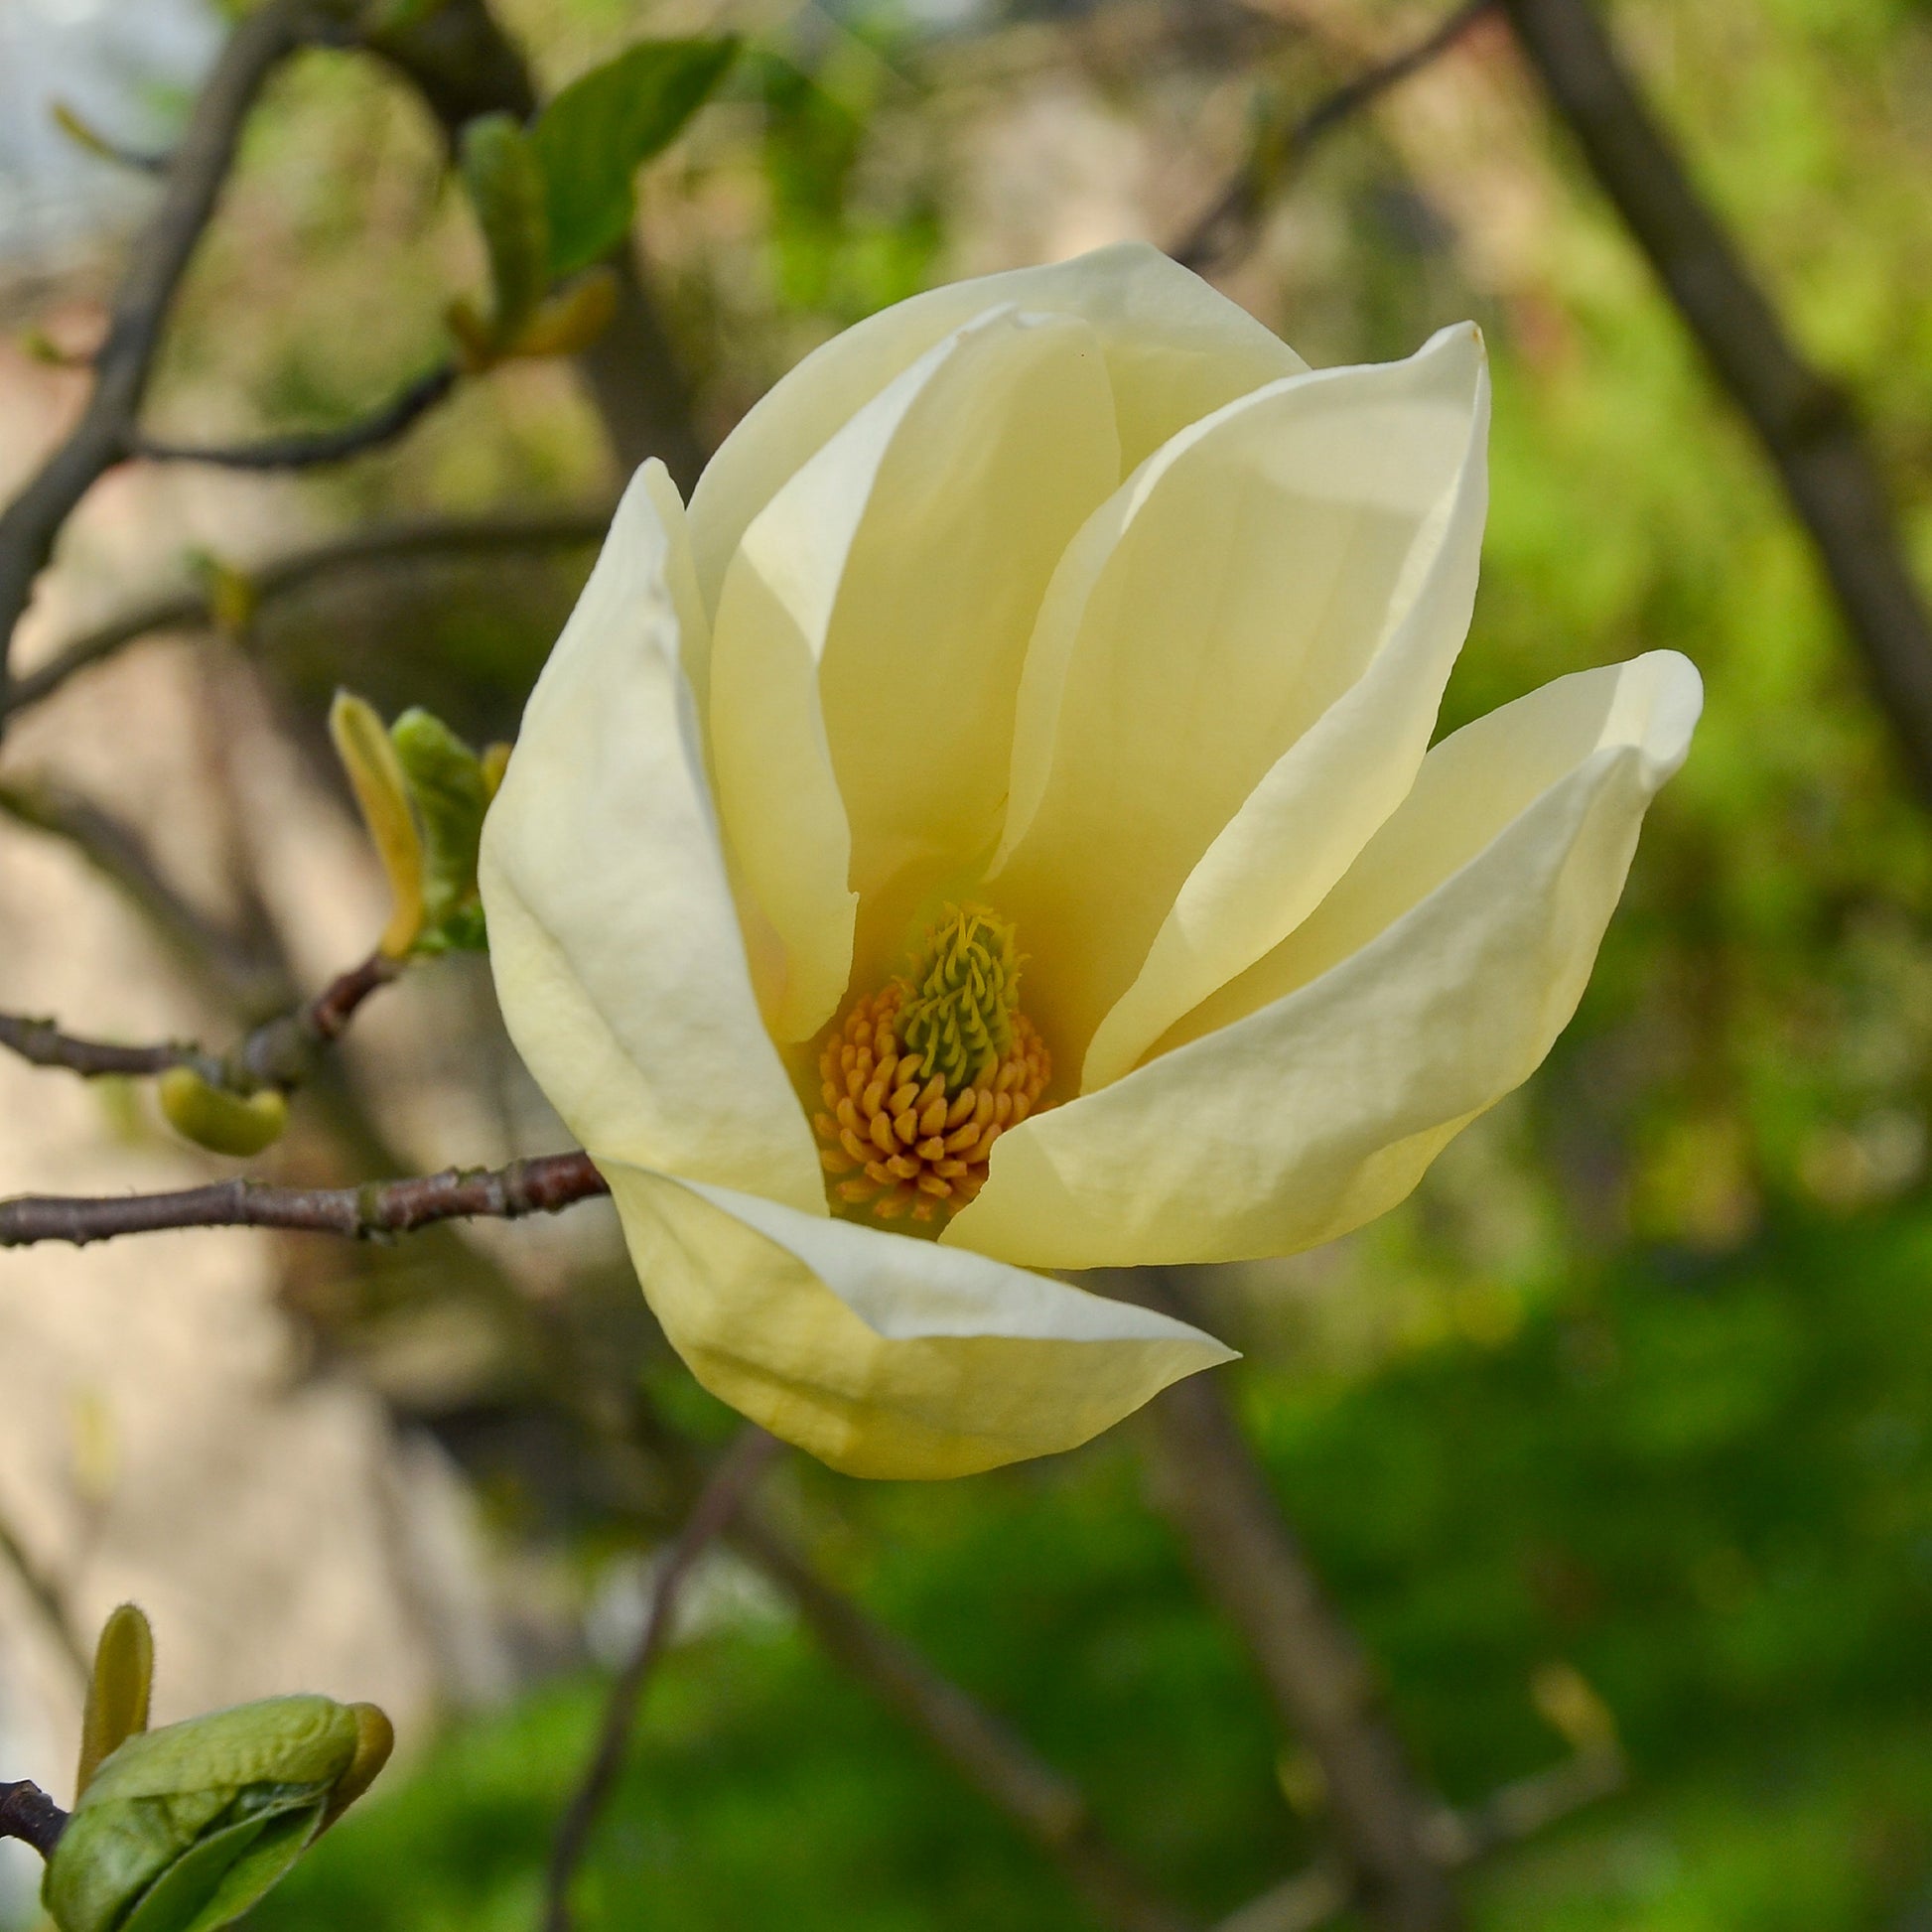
<point>899,1143</point>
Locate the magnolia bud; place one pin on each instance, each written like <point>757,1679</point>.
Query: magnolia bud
<point>184,1828</point>
<point>220,1121</point>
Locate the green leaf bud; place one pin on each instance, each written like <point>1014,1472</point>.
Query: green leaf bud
<point>505,180</point>
<point>184,1828</point>
<point>375,775</point>
<point>222,1122</point>
<point>450,794</point>
<point>118,1692</point>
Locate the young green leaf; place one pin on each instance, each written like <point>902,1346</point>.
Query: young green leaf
<point>118,1693</point>
<point>593,138</point>
<point>382,791</point>
<point>446,785</point>
<point>505,182</point>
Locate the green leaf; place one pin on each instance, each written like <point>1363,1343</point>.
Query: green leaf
<point>228,1872</point>
<point>595,136</point>
<point>506,183</point>
<point>447,787</point>
<point>118,1693</point>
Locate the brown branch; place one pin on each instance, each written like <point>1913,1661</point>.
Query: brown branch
<point>276,1053</point>
<point>1227,226</point>
<point>160,257</point>
<point>47,1597</point>
<point>30,1815</point>
<point>462,63</point>
<point>1210,1487</point>
<point>373,1212</point>
<point>1515,1811</point>
<point>729,1484</point>
<point>381,544</point>
<point>121,856</point>
<point>1047,1806</point>
<point>1804,421</point>
<point>310,451</point>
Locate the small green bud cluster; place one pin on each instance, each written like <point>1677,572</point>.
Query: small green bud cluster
<point>184,1828</point>
<point>423,794</point>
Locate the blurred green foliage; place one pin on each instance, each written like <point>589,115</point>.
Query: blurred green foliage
<point>1641,1381</point>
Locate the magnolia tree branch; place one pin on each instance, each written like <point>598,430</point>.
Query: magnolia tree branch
<point>377,1209</point>
<point>120,855</point>
<point>276,1053</point>
<point>1210,1487</point>
<point>408,540</point>
<point>105,433</point>
<point>30,1815</point>
<point>1805,422</point>
<point>310,451</point>
<point>47,1597</point>
<point>1046,1805</point>
<point>1225,229</point>
<point>462,63</point>
<point>729,1484</point>
<point>1517,1811</point>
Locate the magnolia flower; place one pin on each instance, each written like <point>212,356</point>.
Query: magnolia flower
<point>994,830</point>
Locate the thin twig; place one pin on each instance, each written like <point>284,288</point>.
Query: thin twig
<point>274,1054</point>
<point>310,451</point>
<point>1228,224</point>
<point>156,264</point>
<point>49,1598</point>
<point>1211,1488</point>
<point>1805,422</point>
<point>30,1815</point>
<point>728,1488</point>
<point>120,855</point>
<point>1044,1804</point>
<point>1508,1816</point>
<point>373,1212</point>
<point>381,544</point>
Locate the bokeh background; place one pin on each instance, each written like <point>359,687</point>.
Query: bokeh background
<point>1635,1394</point>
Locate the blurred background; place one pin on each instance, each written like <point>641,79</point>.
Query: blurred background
<point>1625,1419</point>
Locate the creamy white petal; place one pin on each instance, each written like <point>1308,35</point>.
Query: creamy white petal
<point>870,629</point>
<point>1175,350</point>
<point>1261,606</point>
<point>1302,826</point>
<point>882,1354</point>
<point>614,940</point>
<point>1312,1093</point>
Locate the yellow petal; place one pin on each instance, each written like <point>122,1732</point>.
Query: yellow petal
<point>1309,1095</point>
<point>615,948</point>
<point>882,1354</point>
<point>871,631</point>
<point>1174,350</point>
<point>1415,457</point>
<point>1247,592</point>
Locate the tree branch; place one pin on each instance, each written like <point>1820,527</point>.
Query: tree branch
<point>310,451</point>
<point>1805,423</point>
<point>400,542</point>
<point>731,1483</point>
<point>121,856</point>
<point>30,1815</point>
<point>1226,228</point>
<point>462,63</point>
<point>1209,1484</point>
<point>1047,1806</point>
<point>49,1598</point>
<point>102,437</point>
<point>276,1053</point>
<point>373,1212</point>
<point>1516,1812</point>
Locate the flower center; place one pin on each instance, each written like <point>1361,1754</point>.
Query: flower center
<point>922,1076</point>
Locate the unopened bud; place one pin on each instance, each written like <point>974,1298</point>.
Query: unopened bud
<point>220,1121</point>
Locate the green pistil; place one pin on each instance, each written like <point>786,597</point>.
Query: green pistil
<point>957,1016</point>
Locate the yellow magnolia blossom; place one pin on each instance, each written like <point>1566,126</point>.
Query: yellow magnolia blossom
<point>995,829</point>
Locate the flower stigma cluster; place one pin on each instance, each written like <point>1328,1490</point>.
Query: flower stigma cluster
<point>925,1075</point>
